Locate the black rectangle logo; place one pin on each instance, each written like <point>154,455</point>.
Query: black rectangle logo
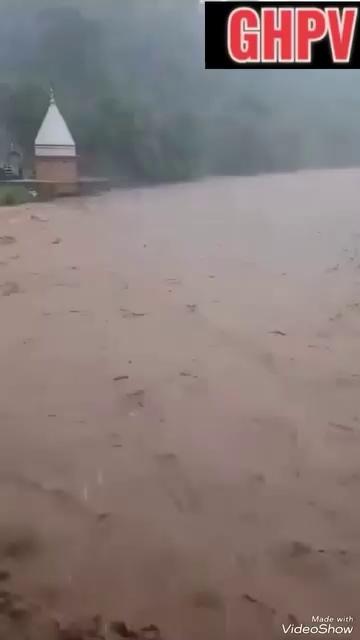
<point>288,35</point>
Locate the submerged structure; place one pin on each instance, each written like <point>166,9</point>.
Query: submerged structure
<point>56,159</point>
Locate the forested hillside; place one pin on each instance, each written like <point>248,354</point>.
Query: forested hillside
<point>129,77</point>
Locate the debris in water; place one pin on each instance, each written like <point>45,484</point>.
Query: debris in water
<point>122,630</point>
<point>14,612</point>
<point>19,613</point>
<point>103,516</point>
<point>338,316</point>
<point>253,600</point>
<point>9,288</point>
<point>119,378</point>
<point>249,598</point>
<point>38,218</point>
<point>191,307</point>
<point>57,241</point>
<point>5,240</point>
<point>131,314</point>
<point>341,427</point>
<point>299,549</point>
<point>21,547</point>
<point>140,393</point>
<point>4,575</point>
<point>150,633</point>
<point>278,333</point>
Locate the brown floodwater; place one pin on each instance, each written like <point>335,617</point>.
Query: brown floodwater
<point>180,404</point>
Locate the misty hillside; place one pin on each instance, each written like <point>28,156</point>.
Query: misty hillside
<point>129,77</point>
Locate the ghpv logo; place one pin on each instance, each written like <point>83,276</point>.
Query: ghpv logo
<point>291,35</point>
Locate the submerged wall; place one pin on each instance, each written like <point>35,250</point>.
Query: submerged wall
<point>55,169</point>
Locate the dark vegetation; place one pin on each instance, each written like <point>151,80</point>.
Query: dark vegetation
<point>129,78</point>
<point>13,195</point>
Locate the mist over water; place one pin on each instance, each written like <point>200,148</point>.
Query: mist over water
<point>130,79</point>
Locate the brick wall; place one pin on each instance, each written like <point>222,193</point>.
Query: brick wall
<point>62,170</point>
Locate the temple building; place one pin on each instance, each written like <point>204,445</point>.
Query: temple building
<point>56,159</point>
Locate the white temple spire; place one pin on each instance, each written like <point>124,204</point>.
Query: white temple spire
<point>54,137</point>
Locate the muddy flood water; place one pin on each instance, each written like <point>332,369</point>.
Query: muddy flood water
<point>180,407</point>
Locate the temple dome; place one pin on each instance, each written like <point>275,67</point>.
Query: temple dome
<point>54,137</point>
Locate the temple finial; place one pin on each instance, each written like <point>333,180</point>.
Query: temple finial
<point>52,96</point>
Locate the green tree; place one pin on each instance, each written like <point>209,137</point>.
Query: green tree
<point>24,110</point>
